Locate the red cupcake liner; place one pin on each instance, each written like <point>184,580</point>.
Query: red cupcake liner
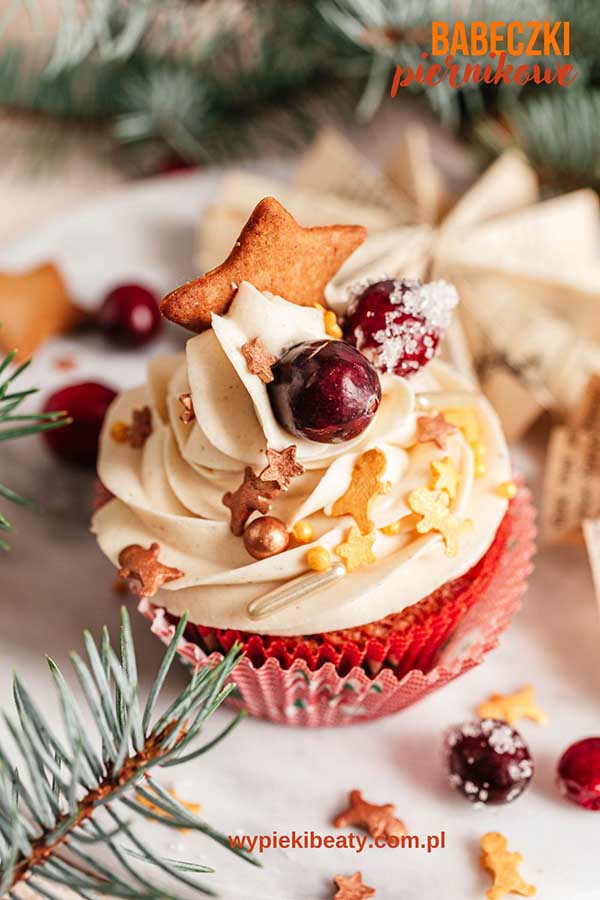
<point>324,696</point>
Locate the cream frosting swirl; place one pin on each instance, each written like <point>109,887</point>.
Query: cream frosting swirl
<point>171,491</point>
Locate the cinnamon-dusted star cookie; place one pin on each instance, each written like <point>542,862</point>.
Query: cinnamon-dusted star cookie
<point>379,821</point>
<point>434,428</point>
<point>352,888</point>
<point>34,306</point>
<point>143,570</point>
<point>275,254</point>
<point>253,494</point>
<point>258,359</point>
<point>282,466</point>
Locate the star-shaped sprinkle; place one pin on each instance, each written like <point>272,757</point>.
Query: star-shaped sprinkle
<point>512,707</point>
<point>141,427</point>
<point>433,507</point>
<point>379,821</point>
<point>188,415</point>
<point>282,466</point>
<point>275,254</point>
<point>504,867</point>
<point>253,495</point>
<point>352,888</point>
<point>444,476</point>
<point>465,418</point>
<point>258,359</point>
<point>34,305</point>
<point>365,485</point>
<point>143,570</point>
<point>435,428</point>
<point>357,549</point>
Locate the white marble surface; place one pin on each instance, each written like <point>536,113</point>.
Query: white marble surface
<point>267,777</point>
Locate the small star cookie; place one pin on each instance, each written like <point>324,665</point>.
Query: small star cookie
<point>282,466</point>
<point>434,428</point>
<point>357,549</point>
<point>258,359</point>
<point>352,888</point>
<point>444,476</point>
<point>512,707</point>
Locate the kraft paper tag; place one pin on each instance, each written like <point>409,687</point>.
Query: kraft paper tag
<point>571,484</point>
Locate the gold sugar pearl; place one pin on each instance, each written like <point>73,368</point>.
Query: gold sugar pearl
<point>318,559</point>
<point>119,431</point>
<point>303,531</point>
<point>508,490</point>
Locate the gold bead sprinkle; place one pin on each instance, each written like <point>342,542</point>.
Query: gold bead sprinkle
<point>508,490</point>
<point>119,432</point>
<point>318,559</point>
<point>303,531</point>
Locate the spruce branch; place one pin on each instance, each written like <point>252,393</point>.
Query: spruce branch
<point>66,821</point>
<point>14,424</point>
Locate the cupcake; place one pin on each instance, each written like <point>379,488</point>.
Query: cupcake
<point>317,487</point>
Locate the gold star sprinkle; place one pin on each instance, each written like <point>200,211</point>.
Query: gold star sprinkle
<point>282,466</point>
<point>444,476</point>
<point>434,428</point>
<point>188,415</point>
<point>512,707</point>
<point>357,549</point>
<point>365,485</point>
<point>432,506</point>
<point>352,888</point>
<point>253,494</point>
<point>143,570</point>
<point>258,359</point>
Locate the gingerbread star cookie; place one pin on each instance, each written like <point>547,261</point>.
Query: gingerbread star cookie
<point>436,429</point>
<point>282,466</point>
<point>34,306</point>
<point>275,254</point>
<point>352,887</point>
<point>379,821</point>
<point>143,570</point>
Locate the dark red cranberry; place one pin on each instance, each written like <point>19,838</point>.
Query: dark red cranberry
<point>579,773</point>
<point>130,315</point>
<point>488,761</point>
<point>398,324</point>
<point>325,391</point>
<point>86,403</point>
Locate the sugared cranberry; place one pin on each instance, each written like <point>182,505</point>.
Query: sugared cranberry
<point>325,391</point>
<point>398,324</point>
<point>86,403</point>
<point>130,315</point>
<point>488,761</point>
<point>579,773</point>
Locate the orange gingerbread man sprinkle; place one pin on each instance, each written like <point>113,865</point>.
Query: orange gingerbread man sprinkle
<point>434,428</point>
<point>141,427</point>
<point>512,707</point>
<point>433,507</point>
<point>253,495</point>
<point>282,466</point>
<point>503,866</point>
<point>379,821</point>
<point>258,359</point>
<point>352,888</point>
<point>275,254</point>
<point>365,485</point>
<point>143,570</point>
<point>444,476</point>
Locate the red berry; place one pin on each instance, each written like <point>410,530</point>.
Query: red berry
<point>579,773</point>
<point>86,403</point>
<point>398,324</point>
<point>488,760</point>
<point>325,391</point>
<point>130,315</point>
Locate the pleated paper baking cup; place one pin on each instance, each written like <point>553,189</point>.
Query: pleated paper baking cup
<point>323,692</point>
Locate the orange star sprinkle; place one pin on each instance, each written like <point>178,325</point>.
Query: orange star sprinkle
<point>432,506</point>
<point>365,485</point>
<point>512,707</point>
<point>434,428</point>
<point>379,821</point>
<point>253,494</point>
<point>188,415</point>
<point>444,476</point>
<point>352,888</point>
<point>258,359</point>
<point>282,466</point>
<point>143,570</point>
<point>503,866</point>
<point>357,549</point>
<point>275,254</point>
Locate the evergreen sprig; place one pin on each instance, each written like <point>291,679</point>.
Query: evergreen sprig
<point>14,424</point>
<point>69,824</point>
